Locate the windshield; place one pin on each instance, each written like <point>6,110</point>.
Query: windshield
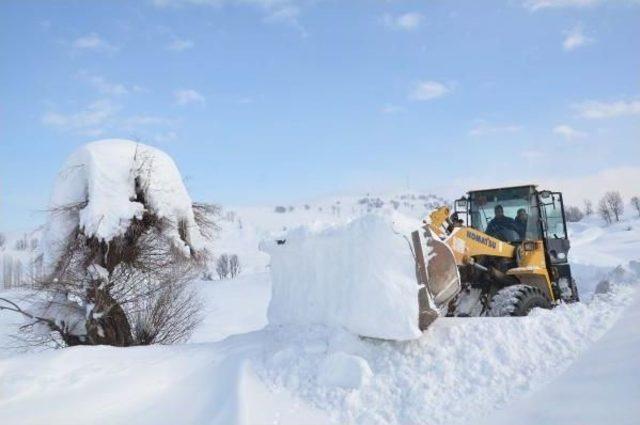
<point>507,214</point>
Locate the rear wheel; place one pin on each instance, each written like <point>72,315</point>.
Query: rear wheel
<point>518,300</point>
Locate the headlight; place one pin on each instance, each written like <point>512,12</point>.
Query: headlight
<point>529,246</point>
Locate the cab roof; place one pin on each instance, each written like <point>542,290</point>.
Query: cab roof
<point>534,186</point>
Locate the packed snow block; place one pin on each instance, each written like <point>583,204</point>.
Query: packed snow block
<point>359,276</point>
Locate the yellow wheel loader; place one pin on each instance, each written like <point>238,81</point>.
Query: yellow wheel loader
<point>500,252</point>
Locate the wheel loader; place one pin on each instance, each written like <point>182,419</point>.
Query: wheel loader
<point>500,252</point>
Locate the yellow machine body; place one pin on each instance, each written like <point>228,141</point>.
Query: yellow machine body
<point>467,243</point>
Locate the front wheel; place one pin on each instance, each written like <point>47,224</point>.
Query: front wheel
<point>518,300</point>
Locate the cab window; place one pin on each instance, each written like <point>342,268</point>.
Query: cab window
<point>552,210</point>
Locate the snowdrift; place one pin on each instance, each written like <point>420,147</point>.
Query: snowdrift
<point>359,276</point>
<point>97,186</point>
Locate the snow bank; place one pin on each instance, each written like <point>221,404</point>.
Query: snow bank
<point>600,387</point>
<point>96,190</point>
<point>360,276</point>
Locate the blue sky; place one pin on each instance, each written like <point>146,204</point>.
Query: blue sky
<point>265,101</point>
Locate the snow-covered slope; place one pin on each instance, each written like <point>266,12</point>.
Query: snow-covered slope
<point>238,369</point>
<point>601,387</point>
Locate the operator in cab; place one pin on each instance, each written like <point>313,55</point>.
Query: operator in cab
<point>521,223</point>
<point>503,227</point>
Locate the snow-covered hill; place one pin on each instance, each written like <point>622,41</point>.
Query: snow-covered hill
<point>237,369</point>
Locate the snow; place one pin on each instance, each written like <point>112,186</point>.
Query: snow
<point>578,361</point>
<point>344,370</point>
<point>99,178</point>
<point>602,386</point>
<point>346,276</point>
<point>233,306</point>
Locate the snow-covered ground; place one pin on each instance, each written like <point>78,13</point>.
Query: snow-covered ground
<point>573,361</point>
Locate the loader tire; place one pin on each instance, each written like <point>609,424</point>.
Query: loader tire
<point>517,300</point>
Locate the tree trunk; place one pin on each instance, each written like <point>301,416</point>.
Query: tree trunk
<point>108,325</point>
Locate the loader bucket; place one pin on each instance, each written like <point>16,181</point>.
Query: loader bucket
<point>443,279</point>
<point>437,270</point>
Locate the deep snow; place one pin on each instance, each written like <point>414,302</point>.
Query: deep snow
<point>602,386</point>
<point>460,371</point>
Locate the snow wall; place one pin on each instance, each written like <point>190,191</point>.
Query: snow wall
<point>359,276</point>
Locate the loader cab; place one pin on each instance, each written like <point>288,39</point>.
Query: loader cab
<point>545,229</point>
<point>482,206</point>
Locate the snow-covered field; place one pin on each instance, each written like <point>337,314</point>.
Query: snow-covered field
<point>574,364</point>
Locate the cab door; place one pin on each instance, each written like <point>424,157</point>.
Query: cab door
<point>557,244</point>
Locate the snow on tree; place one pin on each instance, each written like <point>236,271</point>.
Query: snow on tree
<point>613,201</point>
<point>635,202</point>
<point>234,266</point>
<point>222,266</point>
<point>588,207</point>
<point>3,240</point>
<point>603,211</point>
<point>573,214</point>
<point>122,242</point>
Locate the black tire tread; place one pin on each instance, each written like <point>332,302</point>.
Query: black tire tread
<point>518,300</point>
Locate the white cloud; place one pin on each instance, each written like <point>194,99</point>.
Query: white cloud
<point>166,137</point>
<point>102,85</point>
<point>575,189</point>
<point>286,13</point>
<point>408,21</point>
<point>575,38</point>
<point>594,186</point>
<point>103,117</point>
<point>86,121</point>
<point>281,11</point>
<point>483,129</point>
<point>178,45</point>
<point>427,90</point>
<point>592,109</point>
<point>568,132</point>
<point>187,96</point>
<point>92,42</point>
<point>534,5</point>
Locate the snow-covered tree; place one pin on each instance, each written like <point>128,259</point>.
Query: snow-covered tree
<point>614,203</point>
<point>7,270</point>
<point>635,202</point>
<point>588,207</point>
<point>234,266</point>
<point>122,242</point>
<point>3,240</point>
<point>222,266</point>
<point>603,211</point>
<point>21,244</point>
<point>573,214</point>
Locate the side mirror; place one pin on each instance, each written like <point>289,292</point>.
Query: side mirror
<point>461,204</point>
<point>545,194</point>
